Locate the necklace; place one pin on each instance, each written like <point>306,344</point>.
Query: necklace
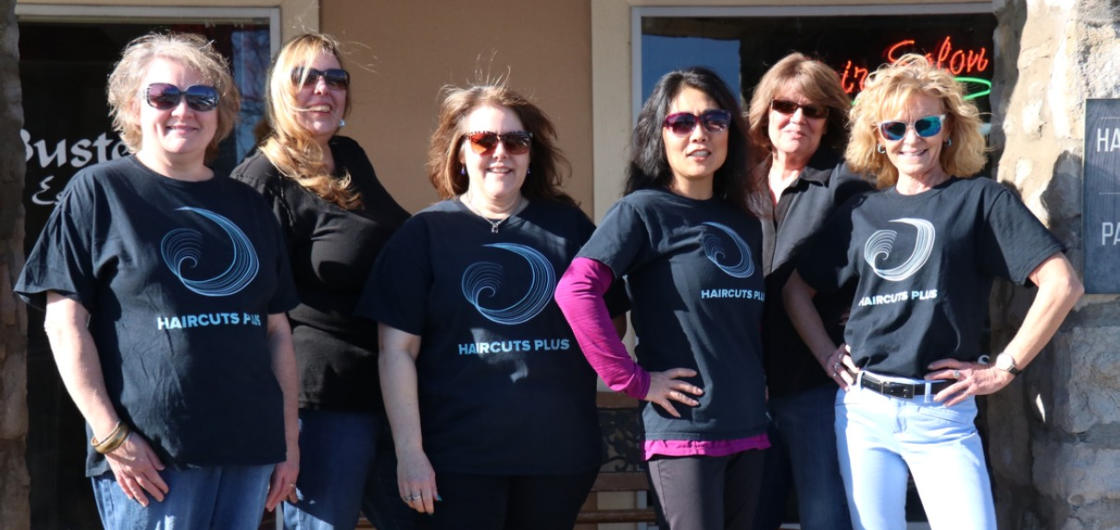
<point>494,224</point>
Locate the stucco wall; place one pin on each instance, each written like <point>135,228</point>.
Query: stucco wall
<point>400,56</point>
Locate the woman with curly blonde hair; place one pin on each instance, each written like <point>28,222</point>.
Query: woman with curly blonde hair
<point>923,252</point>
<point>336,216</point>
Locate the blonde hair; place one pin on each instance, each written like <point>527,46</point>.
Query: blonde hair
<point>815,80</point>
<point>547,165</point>
<point>286,143</point>
<point>886,93</point>
<point>188,50</point>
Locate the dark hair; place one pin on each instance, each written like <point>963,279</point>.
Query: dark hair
<point>649,166</point>
<point>547,165</point>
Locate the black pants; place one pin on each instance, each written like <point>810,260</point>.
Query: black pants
<point>486,502</point>
<point>708,493</point>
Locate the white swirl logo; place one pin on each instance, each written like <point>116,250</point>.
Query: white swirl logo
<point>716,252</point>
<point>181,249</point>
<point>485,277</point>
<point>881,243</point>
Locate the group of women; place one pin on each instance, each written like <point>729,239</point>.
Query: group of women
<point>217,333</point>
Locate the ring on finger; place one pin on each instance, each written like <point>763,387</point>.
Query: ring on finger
<point>956,374</point>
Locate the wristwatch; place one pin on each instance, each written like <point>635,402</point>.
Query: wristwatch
<point>1006,362</point>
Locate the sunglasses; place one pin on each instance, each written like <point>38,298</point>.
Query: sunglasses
<point>515,142</point>
<point>165,96</point>
<point>924,127</point>
<point>786,106</point>
<point>683,123</point>
<point>336,78</point>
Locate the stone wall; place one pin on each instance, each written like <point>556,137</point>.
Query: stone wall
<point>14,482</point>
<point>1054,435</point>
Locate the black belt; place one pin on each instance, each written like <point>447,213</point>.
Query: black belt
<point>900,390</point>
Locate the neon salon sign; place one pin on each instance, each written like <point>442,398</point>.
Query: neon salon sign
<point>966,64</point>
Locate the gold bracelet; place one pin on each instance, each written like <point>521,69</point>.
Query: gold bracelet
<point>113,440</point>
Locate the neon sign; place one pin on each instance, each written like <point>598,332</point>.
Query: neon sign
<point>957,61</point>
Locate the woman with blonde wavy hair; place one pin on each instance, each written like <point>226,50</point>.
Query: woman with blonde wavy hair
<point>923,252</point>
<point>335,216</point>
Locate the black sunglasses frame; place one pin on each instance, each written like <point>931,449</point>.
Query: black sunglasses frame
<point>200,98</point>
<point>485,142</point>
<point>788,108</point>
<point>306,76</point>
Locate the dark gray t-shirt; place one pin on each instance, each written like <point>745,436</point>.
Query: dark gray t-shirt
<point>179,279</point>
<point>696,289</point>
<point>924,265</point>
<point>503,386</point>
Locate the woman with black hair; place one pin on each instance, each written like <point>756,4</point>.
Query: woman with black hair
<point>686,241</point>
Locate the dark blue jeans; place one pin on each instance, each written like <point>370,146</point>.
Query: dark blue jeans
<point>803,446</point>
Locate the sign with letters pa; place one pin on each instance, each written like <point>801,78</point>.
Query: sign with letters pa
<point>1101,196</point>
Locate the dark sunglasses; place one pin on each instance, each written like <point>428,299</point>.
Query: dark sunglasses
<point>515,142</point>
<point>683,123</point>
<point>925,127</point>
<point>335,77</point>
<point>165,96</point>
<point>786,106</point>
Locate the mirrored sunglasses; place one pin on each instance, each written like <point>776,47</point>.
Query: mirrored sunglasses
<point>924,127</point>
<point>165,96</point>
<point>788,107</point>
<point>683,123</point>
<point>515,142</point>
<point>334,77</point>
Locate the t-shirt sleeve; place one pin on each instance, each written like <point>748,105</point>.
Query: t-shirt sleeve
<point>286,297</point>
<point>396,292</point>
<point>619,241</point>
<point>62,259</point>
<point>824,262</point>
<point>1013,242</point>
<point>617,301</point>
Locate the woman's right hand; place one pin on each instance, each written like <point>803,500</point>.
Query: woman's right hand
<point>840,366</point>
<point>666,387</point>
<point>136,468</point>
<point>417,481</point>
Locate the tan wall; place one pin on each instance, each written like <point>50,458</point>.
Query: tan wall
<point>401,53</point>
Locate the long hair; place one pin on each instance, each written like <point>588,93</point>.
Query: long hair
<point>287,144</point>
<point>885,96</point>
<point>649,166</point>
<point>190,51</point>
<point>815,81</point>
<point>547,165</point>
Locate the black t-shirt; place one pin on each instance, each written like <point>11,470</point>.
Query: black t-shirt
<point>924,265</point>
<point>696,289</point>
<point>179,279</point>
<point>332,251</point>
<point>503,386</point>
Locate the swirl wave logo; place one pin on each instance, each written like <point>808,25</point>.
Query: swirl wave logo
<point>717,252</point>
<point>881,243</point>
<point>484,278</point>
<point>181,250</point>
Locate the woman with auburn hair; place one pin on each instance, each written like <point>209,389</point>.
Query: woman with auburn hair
<point>166,287</point>
<point>798,117</point>
<point>923,252</point>
<point>688,246</point>
<point>491,402</point>
<point>336,217</point>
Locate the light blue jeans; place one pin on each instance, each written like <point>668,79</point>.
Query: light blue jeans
<point>218,497</point>
<point>880,438</point>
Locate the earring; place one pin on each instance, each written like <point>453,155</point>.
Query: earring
<point>881,149</point>
<point>341,123</point>
<point>948,142</point>
<point>462,171</point>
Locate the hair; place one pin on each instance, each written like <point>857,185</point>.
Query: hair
<point>188,50</point>
<point>285,142</point>
<point>547,165</point>
<point>886,93</point>
<point>814,80</point>
<point>649,165</point>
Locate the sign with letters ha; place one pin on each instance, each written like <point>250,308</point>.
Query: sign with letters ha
<point>1101,196</point>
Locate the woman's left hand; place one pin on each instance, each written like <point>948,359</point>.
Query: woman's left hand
<point>972,379</point>
<point>282,484</point>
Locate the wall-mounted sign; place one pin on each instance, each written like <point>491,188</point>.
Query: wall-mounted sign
<point>1101,196</point>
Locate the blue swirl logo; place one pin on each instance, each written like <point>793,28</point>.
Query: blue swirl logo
<point>484,278</point>
<point>881,243</point>
<point>181,249</point>
<point>716,251</point>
